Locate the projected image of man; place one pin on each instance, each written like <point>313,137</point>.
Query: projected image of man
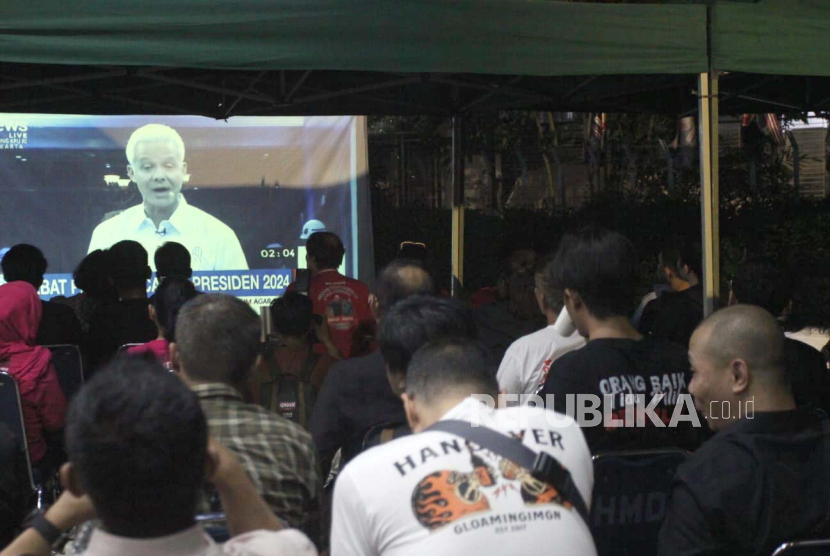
<point>156,153</point>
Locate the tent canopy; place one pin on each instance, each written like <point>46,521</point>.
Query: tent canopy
<point>222,57</point>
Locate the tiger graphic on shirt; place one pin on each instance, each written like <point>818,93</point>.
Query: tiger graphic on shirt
<point>445,496</point>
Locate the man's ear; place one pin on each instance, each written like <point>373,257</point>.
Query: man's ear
<point>147,272</point>
<point>668,273</point>
<point>411,411</point>
<point>174,356</point>
<point>572,301</point>
<point>184,168</point>
<point>211,462</point>
<point>69,480</point>
<point>152,312</point>
<point>739,375</point>
<point>396,380</point>
<point>130,172</point>
<point>374,305</point>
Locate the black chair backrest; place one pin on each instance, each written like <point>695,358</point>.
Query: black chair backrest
<point>631,492</point>
<point>383,433</point>
<point>69,367</point>
<point>11,414</point>
<point>804,548</point>
<point>123,349</point>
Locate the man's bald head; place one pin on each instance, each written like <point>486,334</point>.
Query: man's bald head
<point>402,279</point>
<point>748,333</point>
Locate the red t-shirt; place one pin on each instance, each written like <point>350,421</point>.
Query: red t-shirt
<point>345,304</point>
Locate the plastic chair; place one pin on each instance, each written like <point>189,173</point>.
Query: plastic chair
<point>11,414</point>
<point>804,548</point>
<point>383,433</point>
<point>631,491</point>
<point>69,367</point>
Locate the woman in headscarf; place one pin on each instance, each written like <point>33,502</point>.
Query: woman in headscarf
<point>44,405</point>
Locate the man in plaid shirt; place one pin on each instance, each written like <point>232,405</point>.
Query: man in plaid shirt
<point>216,348</point>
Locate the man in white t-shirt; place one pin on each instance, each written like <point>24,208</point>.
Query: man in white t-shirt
<point>527,361</point>
<point>155,153</point>
<point>434,493</point>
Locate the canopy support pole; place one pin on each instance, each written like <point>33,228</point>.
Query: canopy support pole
<point>457,205</point>
<point>709,189</point>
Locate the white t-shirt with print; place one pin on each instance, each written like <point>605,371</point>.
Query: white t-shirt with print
<point>527,361</point>
<point>432,494</point>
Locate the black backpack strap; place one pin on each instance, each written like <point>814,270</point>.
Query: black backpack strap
<point>542,466</point>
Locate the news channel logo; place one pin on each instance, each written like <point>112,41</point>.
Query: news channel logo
<point>14,133</point>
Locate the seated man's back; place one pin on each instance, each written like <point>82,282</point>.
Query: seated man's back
<point>434,493</point>
<point>216,350</point>
<point>277,454</point>
<point>59,325</point>
<point>117,324</point>
<point>624,368</point>
<point>777,464</point>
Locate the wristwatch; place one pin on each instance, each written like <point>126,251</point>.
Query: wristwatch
<point>46,529</point>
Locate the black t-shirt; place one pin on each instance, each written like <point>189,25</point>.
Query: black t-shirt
<point>809,377</point>
<point>674,315</point>
<point>355,397</point>
<point>755,485</point>
<point>624,369</point>
<point>117,324</point>
<point>59,325</point>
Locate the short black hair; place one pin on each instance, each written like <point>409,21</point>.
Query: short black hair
<point>691,255</point>
<point>24,263</point>
<point>93,274</point>
<point>291,314</point>
<point>138,439</point>
<point>401,279</point>
<point>761,282</point>
<point>326,248</point>
<point>418,320</point>
<point>128,263</point>
<point>447,365</point>
<point>601,266</point>
<point>218,338</point>
<point>173,259</point>
<point>171,295</point>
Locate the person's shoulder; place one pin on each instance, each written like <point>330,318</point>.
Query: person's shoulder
<point>119,220</point>
<point>368,462</point>
<point>212,224</point>
<point>722,460</point>
<point>268,543</point>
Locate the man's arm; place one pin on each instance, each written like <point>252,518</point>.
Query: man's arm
<point>350,526</point>
<point>245,510</point>
<point>67,512</point>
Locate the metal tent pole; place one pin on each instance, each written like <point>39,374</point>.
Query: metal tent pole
<point>709,192</point>
<point>457,205</point>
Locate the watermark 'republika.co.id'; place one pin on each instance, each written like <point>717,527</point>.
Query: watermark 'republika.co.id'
<point>590,410</point>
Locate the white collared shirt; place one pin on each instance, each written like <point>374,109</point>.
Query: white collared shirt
<point>195,542</point>
<point>212,244</point>
<point>430,493</point>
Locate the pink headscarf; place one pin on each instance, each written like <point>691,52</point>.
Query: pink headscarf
<point>20,314</point>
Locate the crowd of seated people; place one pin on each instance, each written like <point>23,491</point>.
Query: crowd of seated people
<point>414,444</point>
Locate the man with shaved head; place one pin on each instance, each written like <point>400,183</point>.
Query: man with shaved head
<point>764,478</point>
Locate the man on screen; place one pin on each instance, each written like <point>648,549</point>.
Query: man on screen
<point>155,153</point>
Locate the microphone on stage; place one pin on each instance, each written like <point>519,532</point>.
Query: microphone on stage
<point>161,233</point>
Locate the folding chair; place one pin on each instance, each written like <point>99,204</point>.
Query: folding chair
<point>11,414</point>
<point>804,548</point>
<point>215,525</point>
<point>383,433</point>
<point>123,349</point>
<point>69,367</point>
<point>631,492</point>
